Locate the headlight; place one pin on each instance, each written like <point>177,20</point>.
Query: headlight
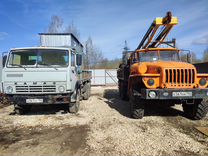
<point>61,89</point>
<point>150,82</point>
<point>202,81</point>
<point>152,94</point>
<point>9,89</point>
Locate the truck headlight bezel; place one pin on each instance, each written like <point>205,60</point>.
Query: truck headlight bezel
<point>9,89</point>
<point>202,82</point>
<point>61,89</point>
<point>151,82</point>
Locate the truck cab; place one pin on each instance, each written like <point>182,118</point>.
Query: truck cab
<point>165,69</point>
<point>45,75</point>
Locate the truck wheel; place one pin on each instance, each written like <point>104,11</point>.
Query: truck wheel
<point>123,90</point>
<point>137,107</point>
<point>196,111</point>
<point>86,95</point>
<point>74,107</point>
<point>20,110</point>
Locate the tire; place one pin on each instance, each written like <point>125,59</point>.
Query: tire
<point>21,109</point>
<point>86,95</point>
<point>196,111</point>
<point>138,113</point>
<point>74,107</point>
<point>123,87</point>
<point>136,107</point>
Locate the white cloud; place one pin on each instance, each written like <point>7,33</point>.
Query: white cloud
<point>203,40</point>
<point>3,35</point>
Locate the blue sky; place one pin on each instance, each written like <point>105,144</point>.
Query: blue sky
<point>108,22</point>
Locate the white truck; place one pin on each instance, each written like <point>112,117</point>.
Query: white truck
<point>52,73</point>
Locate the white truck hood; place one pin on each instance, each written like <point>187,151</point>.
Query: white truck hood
<point>31,75</point>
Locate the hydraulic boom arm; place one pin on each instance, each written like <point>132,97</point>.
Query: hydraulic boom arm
<point>167,23</point>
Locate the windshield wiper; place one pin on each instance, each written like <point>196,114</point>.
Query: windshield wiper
<point>18,65</point>
<point>48,65</point>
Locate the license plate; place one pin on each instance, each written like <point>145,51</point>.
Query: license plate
<point>181,94</point>
<point>34,100</point>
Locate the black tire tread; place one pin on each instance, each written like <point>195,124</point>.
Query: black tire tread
<point>196,111</point>
<point>138,113</point>
<point>137,107</point>
<point>86,95</point>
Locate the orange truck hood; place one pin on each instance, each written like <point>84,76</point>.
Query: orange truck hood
<point>153,67</point>
<point>169,64</point>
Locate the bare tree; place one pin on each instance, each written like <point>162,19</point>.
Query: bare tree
<point>72,29</point>
<point>89,49</point>
<point>94,56</point>
<point>205,55</point>
<point>55,24</point>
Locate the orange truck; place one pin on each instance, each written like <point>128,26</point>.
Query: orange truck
<point>153,74</point>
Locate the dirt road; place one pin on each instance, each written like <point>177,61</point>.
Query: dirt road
<point>102,127</point>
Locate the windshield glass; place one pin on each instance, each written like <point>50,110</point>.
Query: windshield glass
<point>152,56</point>
<point>38,58</point>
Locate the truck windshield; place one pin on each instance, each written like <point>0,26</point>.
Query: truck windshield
<point>38,58</point>
<point>152,56</point>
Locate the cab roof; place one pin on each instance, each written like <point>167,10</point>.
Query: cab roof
<point>24,48</point>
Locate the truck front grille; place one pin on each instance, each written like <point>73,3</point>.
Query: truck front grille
<point>179,77</point>
<point>36,89</point>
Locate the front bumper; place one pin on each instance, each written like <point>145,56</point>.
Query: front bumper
<point>177,94</point>
<point>40,99</point>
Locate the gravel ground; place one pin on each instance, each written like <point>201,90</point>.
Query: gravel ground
<point>102,127</point>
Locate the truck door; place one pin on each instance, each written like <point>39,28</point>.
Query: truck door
<point>73,70</point>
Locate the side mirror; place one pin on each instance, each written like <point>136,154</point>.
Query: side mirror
<point>4,60</point>
<point>79,59</point>
<point>189,58</point>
